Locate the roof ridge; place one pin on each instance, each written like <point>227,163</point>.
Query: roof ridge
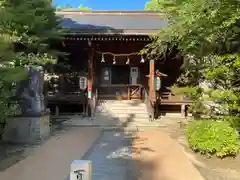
<point>109,12</point>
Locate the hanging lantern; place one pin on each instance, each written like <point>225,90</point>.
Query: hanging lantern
<point>102,58</point>
<point>82,82</point>
<point>128,61</point>
<point>114,60</point>
<point>142,60</point>
<point>157,83</point>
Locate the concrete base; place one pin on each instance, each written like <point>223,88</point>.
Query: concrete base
<point>27,129</point>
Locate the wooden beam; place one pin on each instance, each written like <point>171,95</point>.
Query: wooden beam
<point>151,79</point>
<point>112,38</point>
<point>90,78</point>
<point>144,32</point>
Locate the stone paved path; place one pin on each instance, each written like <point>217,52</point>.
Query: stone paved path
<point>111,156</point>
<point>52,160</point>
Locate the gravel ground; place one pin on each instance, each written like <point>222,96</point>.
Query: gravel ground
<point>218,174</point>
<point>11,154</point>
<point>211,169</point>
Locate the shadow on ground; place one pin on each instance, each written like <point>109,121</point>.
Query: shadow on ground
<point>11,153</point>
<point>111,155</point>
<point>112,158</point>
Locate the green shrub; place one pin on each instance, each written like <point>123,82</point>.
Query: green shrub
<point>234,121</point>
<point>213,137</point>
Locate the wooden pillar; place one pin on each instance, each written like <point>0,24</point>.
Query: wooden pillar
<point>151,79</point>
<point>90,80</point>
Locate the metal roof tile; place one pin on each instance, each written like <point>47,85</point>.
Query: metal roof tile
<point>110,21</point>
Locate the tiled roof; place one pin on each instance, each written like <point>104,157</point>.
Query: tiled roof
<point>111,20</point>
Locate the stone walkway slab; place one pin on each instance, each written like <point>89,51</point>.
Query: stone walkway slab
<point>109,122</point>
<point>159,157</point>
<point>111,156</point>
<point>52,160</point>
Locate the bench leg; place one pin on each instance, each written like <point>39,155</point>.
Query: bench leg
<point>183,110</point>
<point>84,111</point>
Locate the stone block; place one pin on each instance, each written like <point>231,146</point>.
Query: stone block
<point>81,170</point>
<point>27,129</point>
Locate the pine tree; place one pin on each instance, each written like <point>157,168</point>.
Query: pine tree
<point>27,28</point>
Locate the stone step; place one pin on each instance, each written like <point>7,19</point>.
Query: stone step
<point>122,108</point>
<point>122,105</point>
<point>122,115</point>
<point>109,124</point>
<point>121,119</point>
<point>120,101</point>
<point>122,111</point>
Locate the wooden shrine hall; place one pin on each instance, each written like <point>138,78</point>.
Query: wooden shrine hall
<point>104,62</point>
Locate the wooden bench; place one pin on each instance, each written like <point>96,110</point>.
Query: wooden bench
<point>183,103</point>
<point>58,99</point>
<point>168,98</point>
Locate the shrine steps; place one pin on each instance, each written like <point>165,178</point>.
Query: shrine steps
<point>123,113</point>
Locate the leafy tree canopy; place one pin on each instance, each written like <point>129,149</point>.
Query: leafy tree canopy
<point>199,26</point>
<point>207,34</point>
<point>80,7</point>
<point>26,30</point>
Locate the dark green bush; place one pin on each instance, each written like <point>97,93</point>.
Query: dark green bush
<point>234,121</point>
<point>213,137</point>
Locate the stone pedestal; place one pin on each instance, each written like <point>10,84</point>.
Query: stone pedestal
<point>27,129</point>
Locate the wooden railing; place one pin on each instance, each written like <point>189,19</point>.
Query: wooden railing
<point>168,98</point>
<point>120,91</point>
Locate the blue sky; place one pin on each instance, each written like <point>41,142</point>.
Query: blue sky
<point>104,4</point>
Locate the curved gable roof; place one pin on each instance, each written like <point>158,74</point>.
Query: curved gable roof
<point>136,22</point>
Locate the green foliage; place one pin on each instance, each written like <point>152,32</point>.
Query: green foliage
<point>211,137</point>
<point>194,93</point>
<point>30,24</point>
<point>198,26</point>
<point>80,7</point>
<point>234,121</point>
<point>32,27</point>
<point>207,35</point>
<point>152,5</point>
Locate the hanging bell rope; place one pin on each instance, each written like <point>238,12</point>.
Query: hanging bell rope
<point>118,55</point>
<point>113,54</point>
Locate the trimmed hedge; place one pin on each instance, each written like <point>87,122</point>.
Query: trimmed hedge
<point>212,137</point>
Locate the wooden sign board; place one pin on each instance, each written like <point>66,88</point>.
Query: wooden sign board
<point>81,170</point>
